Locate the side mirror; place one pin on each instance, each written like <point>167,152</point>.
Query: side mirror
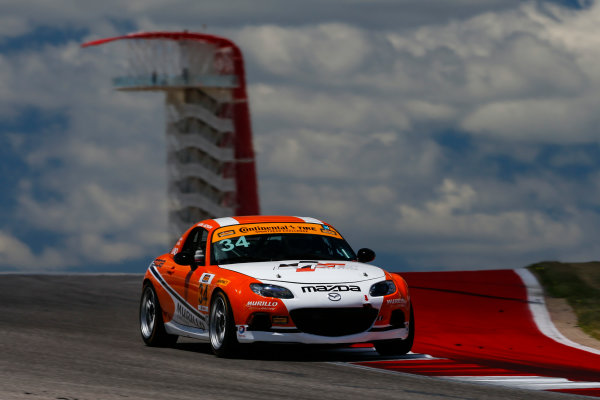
<point>184,258</point>
<point>365,255</point>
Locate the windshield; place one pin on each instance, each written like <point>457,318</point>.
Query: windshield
<point>248,245</point>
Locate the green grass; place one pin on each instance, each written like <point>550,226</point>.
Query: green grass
<point>579,284</point>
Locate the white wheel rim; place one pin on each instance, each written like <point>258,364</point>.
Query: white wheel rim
<point>147,313</point>
<point>218,323</point>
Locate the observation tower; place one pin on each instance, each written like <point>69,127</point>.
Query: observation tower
<point>210,156</point>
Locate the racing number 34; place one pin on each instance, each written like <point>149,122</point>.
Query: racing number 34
<point>228,244</point>
<point>203,297</point>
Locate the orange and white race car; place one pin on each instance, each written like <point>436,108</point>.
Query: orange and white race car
<point>273,279</point>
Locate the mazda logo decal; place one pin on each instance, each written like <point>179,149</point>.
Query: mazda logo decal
<point>334,296</point>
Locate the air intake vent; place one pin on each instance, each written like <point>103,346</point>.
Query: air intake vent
<point>334,321</point>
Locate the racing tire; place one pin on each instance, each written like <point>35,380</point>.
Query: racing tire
<point>221,327</point>
<point>398,347</point>
<point>152,326</point>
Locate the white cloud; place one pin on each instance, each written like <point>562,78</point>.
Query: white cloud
<point>99,182</point>
<point>449,217</point>
<point>12,25</point>
<point>471,74</point>
<point>321,108</point>
<point>22,15</point>
<point>345,116</point>
<point>17,255</point>
<point>543,120</point>
<point>329,50</point>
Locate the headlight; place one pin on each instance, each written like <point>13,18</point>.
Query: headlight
<point>267,290</point>
<point>382,288</point>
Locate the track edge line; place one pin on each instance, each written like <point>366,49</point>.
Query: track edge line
<point>539,311</point>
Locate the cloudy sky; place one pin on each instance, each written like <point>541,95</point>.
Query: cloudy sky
<point>443,134</point>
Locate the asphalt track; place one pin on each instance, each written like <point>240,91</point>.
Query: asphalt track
<point>76,337</point>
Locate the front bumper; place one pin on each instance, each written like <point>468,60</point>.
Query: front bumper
<point>280,336</point>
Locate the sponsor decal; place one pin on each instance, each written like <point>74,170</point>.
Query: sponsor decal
<point>241,330</point>
<point>265,228</point>
<point>159,262</point>
<point>310,268</point>
<point>226,233</point>
<point>334,296</point>
<point>223,282</point>
<point>203,225</point>
<point>203,309</point>
<point>288,265</point>
<point>185,314</point>
<point>330,288</point>
<point>206,278</point>
<point>326,229</point>
<point>280,320</point>
<point>176,248</point>
<point>396,301</point>
<point>262,303</point>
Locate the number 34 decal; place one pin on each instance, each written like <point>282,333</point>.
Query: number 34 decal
<point>228,244</point>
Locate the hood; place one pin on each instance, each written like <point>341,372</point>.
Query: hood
<point>295,271</point>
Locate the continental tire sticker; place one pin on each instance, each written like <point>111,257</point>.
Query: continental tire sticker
<point>230,232</point>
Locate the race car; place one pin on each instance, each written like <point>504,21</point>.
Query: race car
<point>277,279</point>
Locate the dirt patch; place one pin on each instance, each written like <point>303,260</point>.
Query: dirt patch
<point>565,321</point>
<point>572,292</point>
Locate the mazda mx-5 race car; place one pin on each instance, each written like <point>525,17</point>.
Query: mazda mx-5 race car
<point>273,279</point>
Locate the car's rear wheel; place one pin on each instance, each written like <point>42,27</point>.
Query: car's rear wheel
<point>223,340</point>
<point>152,326</point>
<point>397,347</point>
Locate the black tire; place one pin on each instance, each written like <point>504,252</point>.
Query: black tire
<point>221,327</point>
<point>152,327</point>
<point>398,347</point>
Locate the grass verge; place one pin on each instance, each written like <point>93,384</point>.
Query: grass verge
<point>579,284</point>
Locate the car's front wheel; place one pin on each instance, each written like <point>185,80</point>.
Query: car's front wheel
<point>397,347</point>
<point>152,326</point>
<point>223,340</point>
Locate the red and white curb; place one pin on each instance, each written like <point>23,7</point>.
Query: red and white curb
<point>451,370</point>
<point>481,368</point>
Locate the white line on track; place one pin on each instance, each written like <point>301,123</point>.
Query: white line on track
<point>537,306</point>
<point>526,382</point>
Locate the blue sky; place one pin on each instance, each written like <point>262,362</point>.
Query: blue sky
<point>443,134</point>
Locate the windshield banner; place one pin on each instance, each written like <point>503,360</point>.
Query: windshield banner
<point>228,232</point>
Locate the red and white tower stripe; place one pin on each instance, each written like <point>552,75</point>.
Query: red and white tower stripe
<point>210,155</point>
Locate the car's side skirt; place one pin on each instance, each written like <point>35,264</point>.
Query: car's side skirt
<point>174,328</point>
